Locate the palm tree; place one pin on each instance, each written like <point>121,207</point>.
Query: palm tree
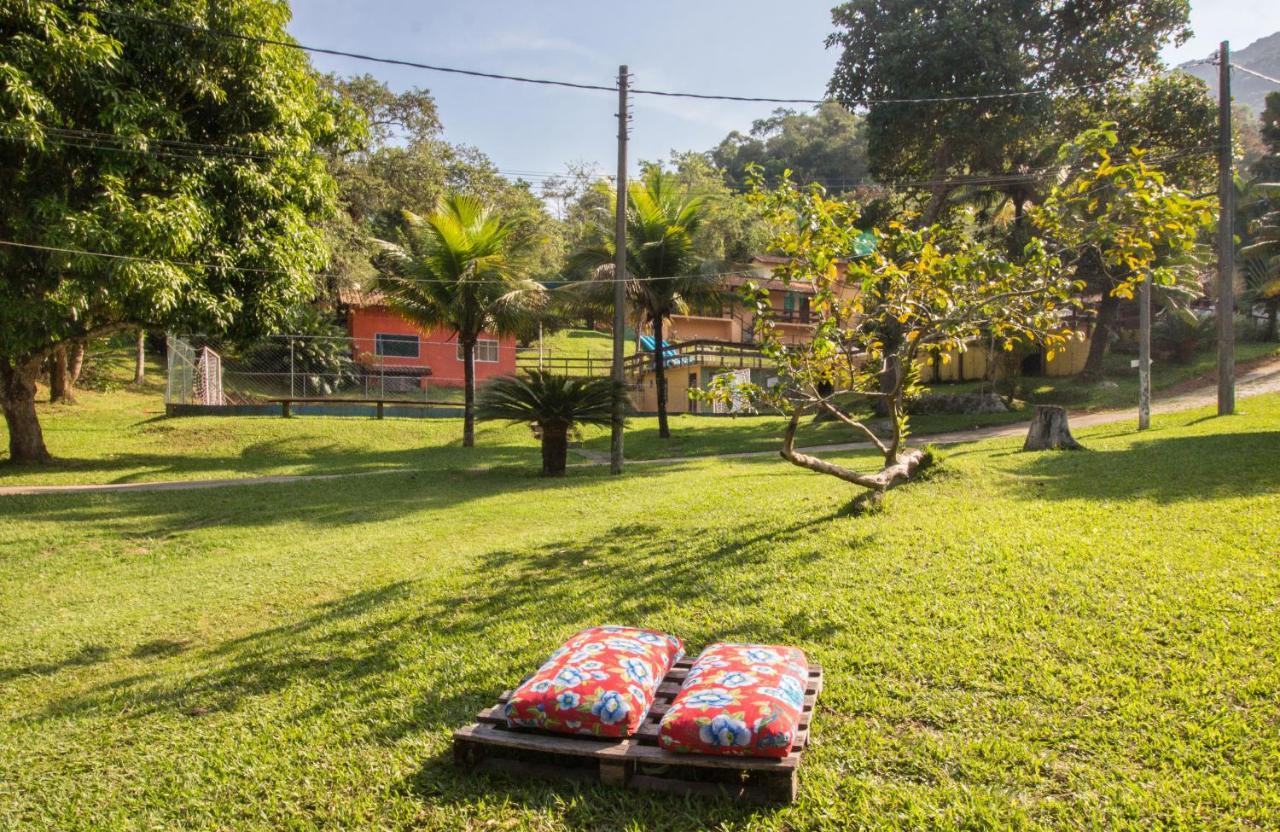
<point>461,267</point>
<point>665,274</point>
<point>554,404</point>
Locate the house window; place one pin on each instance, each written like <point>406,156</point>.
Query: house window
<point>395,346</point>
<point>486,350</point>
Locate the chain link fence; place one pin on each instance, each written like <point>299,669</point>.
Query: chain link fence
<point>210,372</point>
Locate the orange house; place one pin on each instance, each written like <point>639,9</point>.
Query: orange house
<point>385,341</point>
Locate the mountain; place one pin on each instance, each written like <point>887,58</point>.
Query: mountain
<point>1261,56</point>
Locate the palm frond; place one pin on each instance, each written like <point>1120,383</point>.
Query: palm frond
<point>545,398</point>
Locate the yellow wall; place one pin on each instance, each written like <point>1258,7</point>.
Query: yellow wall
<point>645,399</point>
<point>971,365</point>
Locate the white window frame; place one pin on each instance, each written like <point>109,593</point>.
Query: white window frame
<point>483,346</point>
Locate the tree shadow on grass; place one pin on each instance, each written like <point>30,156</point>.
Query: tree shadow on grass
<point>292,457</point>
<point>506,615</point>
<point>412,660</point>
<point>1165,469</point>
<point>85,656</point>
<point>323,503</point>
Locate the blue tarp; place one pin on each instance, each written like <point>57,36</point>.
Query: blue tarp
<point>670,353</point>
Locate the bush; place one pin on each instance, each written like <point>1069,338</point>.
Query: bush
<point>321,352</point>
<point>1178,339</point>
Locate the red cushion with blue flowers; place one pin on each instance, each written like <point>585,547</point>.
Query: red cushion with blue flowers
<point>743,699</point>
<point>601,682</point>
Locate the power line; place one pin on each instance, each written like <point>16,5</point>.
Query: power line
<point>355,55</point>
<point>1253,72</point>
<point>160,261</point>
<point>584,86</point>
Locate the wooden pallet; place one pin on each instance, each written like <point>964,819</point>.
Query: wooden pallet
<point>636,762</point>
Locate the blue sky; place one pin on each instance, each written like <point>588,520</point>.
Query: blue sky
<point>745,47</point>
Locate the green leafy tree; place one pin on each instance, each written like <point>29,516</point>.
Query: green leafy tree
<point>554,405</point>
<point>464,267</point>
<point>1267,168</point>
<point>1260,256</point>
<point>1258,222</point>
<point>732,229</point>
<point>1126,216</point>
<point>827,146</point>
<point>909,49</point>
<point>665,273</point>
<point>191,155</point>
<point>317,351</point>
<point>934,290</point>
<point>1172,120</point>
<point>405,164</point>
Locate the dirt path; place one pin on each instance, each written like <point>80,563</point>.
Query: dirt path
<point>1263,377</point>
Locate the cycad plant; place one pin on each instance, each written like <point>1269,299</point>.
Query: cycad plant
<point>665,273</point>
<point>463,267</point>
<point>554,404</point>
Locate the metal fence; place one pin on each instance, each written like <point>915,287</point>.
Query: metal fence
<point>213,372</point>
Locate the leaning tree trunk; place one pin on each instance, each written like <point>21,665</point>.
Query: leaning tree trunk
<point>660,378</point>
<point>1108,310</point>
<point>140,359</point>
<point>469,393</point>
<point>1050,431</point>
<point>555,449</point>
<point>59,376</point>
<point>18,400</point>
<point>899,467</point>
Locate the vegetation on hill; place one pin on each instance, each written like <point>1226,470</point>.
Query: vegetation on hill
<point>1263,55</point>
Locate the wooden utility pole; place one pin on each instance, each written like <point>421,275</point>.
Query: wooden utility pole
<point>1144,353</point>
<point>1226,241</point>
<point>619,275</point>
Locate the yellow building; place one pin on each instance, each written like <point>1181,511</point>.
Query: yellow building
<point>701,346</point>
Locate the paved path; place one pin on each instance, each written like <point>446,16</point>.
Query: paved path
<point>1262,378</point>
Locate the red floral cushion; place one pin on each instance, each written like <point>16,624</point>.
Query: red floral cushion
<point>602,682</point>
<point>741,699</point>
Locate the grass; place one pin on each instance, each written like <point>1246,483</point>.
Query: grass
<point>1022,641</point>
<point>579,343</point>
<point>118,434</point>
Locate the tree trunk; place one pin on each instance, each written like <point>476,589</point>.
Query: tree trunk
<point>660,378</point>
<point>18,400</point>
<point>888,377</point>
<point>469,393</point>
<point>555,449</point>
<point>76,361</point>
<point>59,378</point>
<point>1273,312</point>
<point>1049,431</point>
<point>1108,309</point>
<point>140,360</point>
<point>900,466</point>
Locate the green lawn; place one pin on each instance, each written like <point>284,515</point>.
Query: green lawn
<point>579,343</point>
<point>116,434</point>
<point>1050,641</point>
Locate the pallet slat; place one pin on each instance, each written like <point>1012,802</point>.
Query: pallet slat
<point>636,762</point>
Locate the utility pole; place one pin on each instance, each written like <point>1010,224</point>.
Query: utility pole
<point>1144,353</point>
<point>1226,241</point>
<point>619,274</point>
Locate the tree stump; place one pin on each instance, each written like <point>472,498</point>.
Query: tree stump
<point>1049,431</point>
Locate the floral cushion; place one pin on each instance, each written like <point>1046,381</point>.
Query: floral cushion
<point>741,699</point>
<point>601,682</point>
